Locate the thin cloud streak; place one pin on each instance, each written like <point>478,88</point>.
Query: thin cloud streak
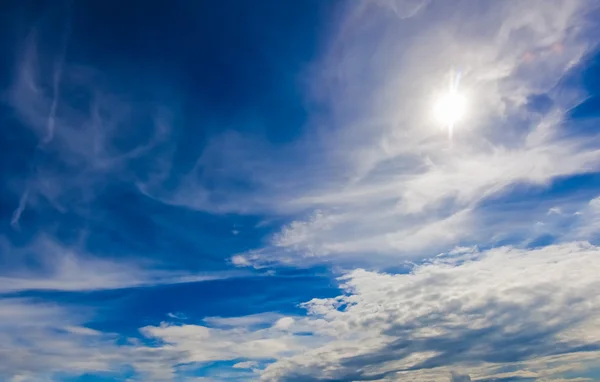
<point>71,269</point>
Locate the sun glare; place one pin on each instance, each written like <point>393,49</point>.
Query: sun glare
<point>450,108</point>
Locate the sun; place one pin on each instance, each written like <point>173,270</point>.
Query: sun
<point>450,108</point>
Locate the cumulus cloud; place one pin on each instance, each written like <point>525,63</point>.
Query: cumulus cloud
<point>465,312</point>
<point>204,344</point>
<point>474,312</point>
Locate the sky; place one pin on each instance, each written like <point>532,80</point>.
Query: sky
<point>260,191</point>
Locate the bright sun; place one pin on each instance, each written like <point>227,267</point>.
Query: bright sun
<point>450,108</point>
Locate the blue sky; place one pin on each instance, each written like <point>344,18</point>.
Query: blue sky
<point>258,190</point>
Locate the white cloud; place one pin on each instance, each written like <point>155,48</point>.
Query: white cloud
<point>245,365</point>
<point>385,180</point>
<point>70,269</point>
<point>38,339</point>
<point>460,378</point>
<point>240,261</point>
<point>499,307</point>
<point>284,323</point>
<point>555,210</point>
<point>468,312</point>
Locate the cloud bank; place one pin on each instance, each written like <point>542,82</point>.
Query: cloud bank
<point>466,312</point>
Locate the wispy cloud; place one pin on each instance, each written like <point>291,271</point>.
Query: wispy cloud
<point>14,221</point>
<point>52,336</point>
<point>377,170</point>
<point>80,123</point>
<point>71,269</point>
<point>390,182</point>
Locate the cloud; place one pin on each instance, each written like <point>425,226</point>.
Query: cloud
<point>41,341</point>
<point>587,220</point>
<point>384,180</point>
<point>245,365</point>
<point>465,312</point>
<point>253,320</point>
<point>577,219</point>
<point>203,344</point>
<point>474,311</point>
<point>14,221</point>
<point>71,269</point>
<point>50,335</point>
<point>81,126</point>
<point>460,378</point>
<point>177,316</point>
